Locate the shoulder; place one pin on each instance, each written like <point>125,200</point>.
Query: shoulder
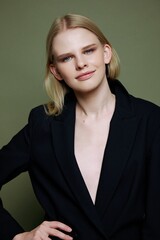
<point>38,111</point>
<point>136,104</point>
<point>38,116</point>
<point>146,112</point>
<point>142,106</point>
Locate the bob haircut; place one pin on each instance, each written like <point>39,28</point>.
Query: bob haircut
<point>55,89</point>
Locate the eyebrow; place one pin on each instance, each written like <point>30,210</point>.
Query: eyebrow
<point>69,53</point>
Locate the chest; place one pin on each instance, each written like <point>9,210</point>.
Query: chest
<point>90,143</point>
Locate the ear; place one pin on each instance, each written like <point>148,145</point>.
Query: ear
<point>107,53</point>
<point>55,72</point>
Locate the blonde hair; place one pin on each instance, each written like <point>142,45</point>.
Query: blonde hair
<point>57,90</point>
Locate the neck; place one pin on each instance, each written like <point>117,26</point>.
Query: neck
<point>95,104</point>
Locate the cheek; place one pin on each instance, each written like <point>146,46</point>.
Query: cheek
<point>62,70</point>
<point>99,59</point>
<point>66,71</point>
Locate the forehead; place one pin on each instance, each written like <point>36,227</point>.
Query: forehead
<point>71,39</point>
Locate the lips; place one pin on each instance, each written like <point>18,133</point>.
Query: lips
<point>85,76</point>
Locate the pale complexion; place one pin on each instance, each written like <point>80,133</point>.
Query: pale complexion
<point>80,60</point>
<point>44,230</point>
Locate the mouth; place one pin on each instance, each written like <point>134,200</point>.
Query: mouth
<point>85,76</point>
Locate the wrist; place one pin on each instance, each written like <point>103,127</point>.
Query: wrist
<point>20,236</point>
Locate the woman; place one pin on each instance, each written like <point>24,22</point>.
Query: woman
<point>93,152</point>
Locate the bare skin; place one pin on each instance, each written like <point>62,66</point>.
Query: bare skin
<point>91,134</point>
<point>80,61</point>
<point>44,230</point>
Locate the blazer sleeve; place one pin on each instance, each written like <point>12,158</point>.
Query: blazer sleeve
<point>151,229</point>
<point>14,159</point>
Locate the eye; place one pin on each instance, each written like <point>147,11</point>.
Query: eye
<point>67,59</point>
<point>89,51</point>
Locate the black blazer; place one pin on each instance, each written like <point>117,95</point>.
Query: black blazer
<point>128,198</point>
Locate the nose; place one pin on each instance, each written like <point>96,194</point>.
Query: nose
<point>80,62</point>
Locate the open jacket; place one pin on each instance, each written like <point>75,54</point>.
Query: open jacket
<point>127,203</point>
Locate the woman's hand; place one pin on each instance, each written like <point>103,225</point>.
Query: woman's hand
<point>46,229</point>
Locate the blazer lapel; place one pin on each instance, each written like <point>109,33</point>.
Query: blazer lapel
<point>63,143</point>
<point>116,155</point>
<point>121,136</point>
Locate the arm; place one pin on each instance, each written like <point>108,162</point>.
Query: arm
<point>8,226</point>
<point>14,159</point>
<point>151,230</point>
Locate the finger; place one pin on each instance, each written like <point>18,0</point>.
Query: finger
<point>60,225</point>
<point>59,234</point>
<point>54,228</point>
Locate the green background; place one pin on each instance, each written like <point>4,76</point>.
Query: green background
<point>132,26</point>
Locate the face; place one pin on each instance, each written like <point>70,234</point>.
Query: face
<point>80,59</point>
